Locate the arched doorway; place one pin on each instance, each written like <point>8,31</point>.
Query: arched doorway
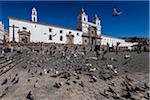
<point>24,37</point>
<point>70,39</point>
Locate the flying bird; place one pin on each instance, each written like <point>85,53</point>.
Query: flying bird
<point>116,13</point>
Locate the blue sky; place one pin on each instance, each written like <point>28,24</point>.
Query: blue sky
<point>134,21</point>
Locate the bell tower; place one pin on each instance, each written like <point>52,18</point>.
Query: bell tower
<point>82,21</point>
<point>97,22</point>
<point>34,15</point>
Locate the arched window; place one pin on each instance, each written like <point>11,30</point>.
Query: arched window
<point>61,38</point>
<point>50,30</point>
<point>84,19</point>
<point>50,37</point>
<point>92,32</point>
<point>60,31</point>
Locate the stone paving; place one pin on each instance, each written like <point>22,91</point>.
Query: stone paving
<point>74,75</point>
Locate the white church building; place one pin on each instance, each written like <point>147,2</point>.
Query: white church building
<point>1,32</point>
<point>112,41</point>
<point>89,33</point>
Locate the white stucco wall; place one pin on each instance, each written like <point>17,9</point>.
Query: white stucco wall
<point>111,40</point>
<point>40,32</point>
<point>1,32</point>
<point>1,35</point>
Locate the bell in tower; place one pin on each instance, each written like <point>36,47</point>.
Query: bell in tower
<point>97,22</point>
<point>82,21</point>
<point>34,15</point>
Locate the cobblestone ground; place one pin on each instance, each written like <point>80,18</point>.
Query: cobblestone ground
<point>77,78</point>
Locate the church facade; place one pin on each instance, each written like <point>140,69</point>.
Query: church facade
<point>29,31</point>
<point>26,31</point>
<point>87,33</point>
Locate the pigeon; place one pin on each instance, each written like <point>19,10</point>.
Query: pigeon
<point>147,96</point>
<point>2,95</point>
<point>111,90</point>
<point>127,56</point>
<point>147,87</point>
<point>127,95</point>
<point>77,77</point>
<point>66,75</point>
<point>112,84</point>
<point>125,62</point>
<point>81,84</point>
<point>13,79</point>
<point>68,83</point>
<point>30,96</point>
<point>92,69</point>
<point>16,81</point>
<point>58,84</point>
<point>113,59</point>
<point>116,13</point>
<point>16,75</point>
<point>74,81</point>
<point>48,71</point>
<point>139,89</point>
<point>128,79</point>
<point>28,80</point>
<point>6,89</point>
<point>94,79</point>
<point>28,70</point>
<point>4,82</point>
<point>40,73</point>
<point>105,94</point>
<point>24,67</point>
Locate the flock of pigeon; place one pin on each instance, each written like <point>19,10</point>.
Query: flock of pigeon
<point>71,74</point>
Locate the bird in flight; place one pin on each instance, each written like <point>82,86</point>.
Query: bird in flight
<point>116,13</point>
